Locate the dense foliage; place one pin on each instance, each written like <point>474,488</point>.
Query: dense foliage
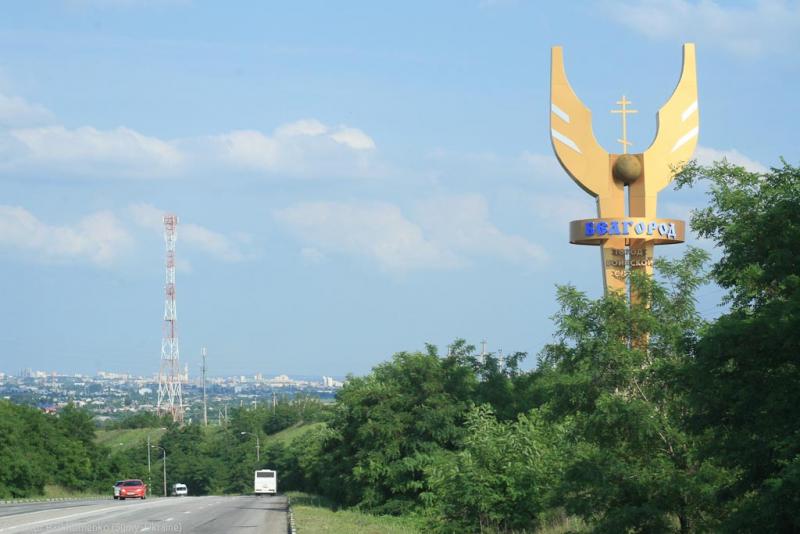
<point>637,417</point>
<point>38,449</point>
<point>504,476</point>
<point>140,420</point>
<point>617,370</point>
<point>745,381</point>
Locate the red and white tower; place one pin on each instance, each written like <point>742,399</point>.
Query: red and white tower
<point>170,397</point>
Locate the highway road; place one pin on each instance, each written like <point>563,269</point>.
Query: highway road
<point>213,515</point>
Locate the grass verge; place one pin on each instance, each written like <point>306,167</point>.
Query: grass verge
<point>285,436</point>
<point>53,491</point>
<point>127,438</point>
<point>314,514</point>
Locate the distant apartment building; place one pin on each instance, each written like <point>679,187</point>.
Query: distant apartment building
<point>329,382</point>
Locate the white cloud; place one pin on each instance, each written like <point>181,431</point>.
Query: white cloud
<point>87,150</point>
<point>306,148</point>
<point>16,111</point>
<point>98,237</point>
<point>248,149</point>
<point>147,216</point>
<point>377,231</point>
<point>310,127</point>
<point>447,231</point>
<point>354,138</point>
<point>746,30</point>
<point>461,223</point>
<point>32,141</point>
<point>706,156</point>
<point>215,244</point>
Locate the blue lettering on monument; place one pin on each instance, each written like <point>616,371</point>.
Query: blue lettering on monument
<point>626,227</point>
<point>599,228</point>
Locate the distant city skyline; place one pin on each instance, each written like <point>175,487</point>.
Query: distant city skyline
<point>29,372</point>
<point>352,179</point>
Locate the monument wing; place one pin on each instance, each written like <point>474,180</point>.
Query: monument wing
<point>571,132</point>
<point>678,128</point>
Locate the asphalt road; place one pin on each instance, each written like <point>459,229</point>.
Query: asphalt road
<point>213,515</point>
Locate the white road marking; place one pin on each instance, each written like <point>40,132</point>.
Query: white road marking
<point>61,518</point>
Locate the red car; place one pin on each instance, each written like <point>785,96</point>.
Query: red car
<point>130,489</point>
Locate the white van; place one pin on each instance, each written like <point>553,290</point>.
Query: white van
<point>266,482</point>
<point>180,490</point>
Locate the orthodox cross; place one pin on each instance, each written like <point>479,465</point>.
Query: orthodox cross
<point>624,111</point>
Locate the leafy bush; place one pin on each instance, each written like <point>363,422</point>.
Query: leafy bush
<point>504,477</point>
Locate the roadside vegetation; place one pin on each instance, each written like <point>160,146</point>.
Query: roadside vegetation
<point>636,418</point>
<point>127,438</point>
<point>52,491</point>
<point>315,514</point>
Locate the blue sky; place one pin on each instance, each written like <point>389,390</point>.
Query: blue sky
<point>352,178</point>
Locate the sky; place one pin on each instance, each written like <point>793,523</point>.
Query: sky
<point>352,179</point>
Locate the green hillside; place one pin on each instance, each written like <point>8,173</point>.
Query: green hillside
<point>127,438</point>
<point>286,435</point>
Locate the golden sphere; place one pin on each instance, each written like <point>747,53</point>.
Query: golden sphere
<point>627,169</point>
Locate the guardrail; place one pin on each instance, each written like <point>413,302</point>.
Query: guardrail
<point>54,499</point>
<point>291,528</point>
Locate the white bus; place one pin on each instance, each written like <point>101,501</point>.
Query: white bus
<point>266,482</point>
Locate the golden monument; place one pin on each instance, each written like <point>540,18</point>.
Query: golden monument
<point>626,240</point>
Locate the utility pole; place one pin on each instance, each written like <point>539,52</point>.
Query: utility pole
<point>149,473</point>
<point>274,402</point>
<point>165,471</point>
<point>258,443</point>
<point>205,399</point>
<point>164,451</point>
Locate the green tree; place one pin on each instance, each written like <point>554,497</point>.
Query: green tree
<point>22,472</point>
<point>189,460</point>
<point>504,477</point>
<point>617,370</point>
<point>745,378</point>
<point>389,425</point>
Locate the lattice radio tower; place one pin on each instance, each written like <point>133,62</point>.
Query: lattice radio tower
<point>170,397</point>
